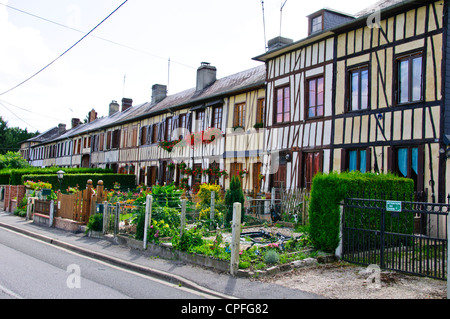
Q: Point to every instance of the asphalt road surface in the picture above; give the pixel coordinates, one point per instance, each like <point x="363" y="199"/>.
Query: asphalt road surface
<point x="31" y="269"/>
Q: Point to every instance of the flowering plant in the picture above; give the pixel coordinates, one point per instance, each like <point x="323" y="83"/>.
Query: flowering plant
<point x="168" y="145"/>
<point x="37" y="185"/>
<point x="203" y="137"/>
<point x="243" y="172"/>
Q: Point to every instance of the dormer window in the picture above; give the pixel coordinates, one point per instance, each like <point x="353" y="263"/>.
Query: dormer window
<point x="316" y="24"/>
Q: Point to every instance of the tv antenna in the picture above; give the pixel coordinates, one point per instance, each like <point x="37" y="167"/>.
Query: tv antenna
<point x="281" y="14"/>
<point x="264" y="25"/>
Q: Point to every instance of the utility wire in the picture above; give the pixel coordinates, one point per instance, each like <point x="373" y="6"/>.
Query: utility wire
<point x="94" y="36"/>
<point x="17" y="116"/>
<point x="65" y="52"/>
<point x="27" y="110"/>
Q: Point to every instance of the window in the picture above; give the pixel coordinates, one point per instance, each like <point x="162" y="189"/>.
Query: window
<point x="316" y="24"/>
<point x="315" y="97"/>
<point x="260" y="118"/>
<point x="239" y="115"/>
<point x="143" y="139"/>
<point x="359" y="89"/>
<point x="116" y="139"/>
<point x="357" y="161"/>
<point x="200" y="119"/>
<point x="217" y="117"/>
<point x="213" y="178"/>
<point x="408" y="161"/>
<point x="168" y="132"/>
<point x="235" y="168"/>
<point x="155" y="128"/>
<point x="283" y="107"/>
<point x="409" y="78"/>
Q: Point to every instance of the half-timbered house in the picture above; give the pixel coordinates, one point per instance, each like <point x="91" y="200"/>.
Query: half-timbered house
<point x="300" y="86"/>
<point x="389" y="93"/>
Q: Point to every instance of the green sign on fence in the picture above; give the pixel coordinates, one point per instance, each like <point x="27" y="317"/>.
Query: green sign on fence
<point x="393" y="206"/>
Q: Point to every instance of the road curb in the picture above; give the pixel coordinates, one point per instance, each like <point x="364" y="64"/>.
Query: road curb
<point x="174" y="279"/>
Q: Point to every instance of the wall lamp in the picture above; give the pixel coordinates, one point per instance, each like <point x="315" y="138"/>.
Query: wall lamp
<point x="446" y="152"/>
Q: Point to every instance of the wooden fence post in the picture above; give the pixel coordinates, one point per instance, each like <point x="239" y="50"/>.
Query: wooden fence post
<point x="148" y="217"/>
<point x="183" y="216"/>
<point x="235" y="239"/>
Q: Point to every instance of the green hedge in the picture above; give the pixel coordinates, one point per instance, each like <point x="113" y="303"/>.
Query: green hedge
<point x="15" y="175"/>
<point x="72" y="180"/>
<point x="328" y="190"/>
<point x="4" y="179"/>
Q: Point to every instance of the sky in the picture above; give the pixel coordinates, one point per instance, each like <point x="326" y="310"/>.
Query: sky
<point x="130" y="51"/>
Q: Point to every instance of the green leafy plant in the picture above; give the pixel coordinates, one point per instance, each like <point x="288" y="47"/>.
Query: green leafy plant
<point x="95" y="223"/>
<point x="271" y="257"/>
<point x="234" y="195"/>
<point x="189" y="239"/>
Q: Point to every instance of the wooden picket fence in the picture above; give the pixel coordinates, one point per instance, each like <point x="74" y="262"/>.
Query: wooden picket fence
<point x="81" y="205"/>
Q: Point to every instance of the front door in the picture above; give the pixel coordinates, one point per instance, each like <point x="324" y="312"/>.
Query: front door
<point x="312" y="164"/>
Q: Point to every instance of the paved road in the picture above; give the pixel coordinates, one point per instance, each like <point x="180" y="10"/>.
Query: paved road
<point x="32" y="269"/>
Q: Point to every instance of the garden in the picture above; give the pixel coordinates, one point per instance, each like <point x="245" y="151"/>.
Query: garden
<point x="207" y="225"/>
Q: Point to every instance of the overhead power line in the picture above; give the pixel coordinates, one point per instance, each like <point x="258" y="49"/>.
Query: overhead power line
<point x="94" y="36"/>
<point x="65" y="52"/>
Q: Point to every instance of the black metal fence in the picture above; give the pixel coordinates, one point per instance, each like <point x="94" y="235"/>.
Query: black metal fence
<point x="409" y="237"/>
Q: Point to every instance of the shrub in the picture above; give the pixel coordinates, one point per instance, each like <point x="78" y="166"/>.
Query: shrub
<point x="95" y="223"/>
<point x="328" y="190"/>
<point x="190" y="238"/>
<point x="271" y="257"/>
<point x="234" y="195"/>
<point x="72" y="180"/>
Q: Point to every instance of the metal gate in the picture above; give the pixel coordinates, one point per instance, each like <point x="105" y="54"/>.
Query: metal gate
<point x="409" y="237"/>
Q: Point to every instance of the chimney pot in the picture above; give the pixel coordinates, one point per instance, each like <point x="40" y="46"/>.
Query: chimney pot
<point x="206" y="75"/>
<point x="113" y="107"/>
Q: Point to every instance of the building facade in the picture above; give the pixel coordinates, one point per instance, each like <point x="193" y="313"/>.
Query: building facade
<point x="366" y="92"/>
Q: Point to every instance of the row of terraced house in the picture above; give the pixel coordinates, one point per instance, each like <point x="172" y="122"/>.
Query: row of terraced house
<point x="365" y="92"/>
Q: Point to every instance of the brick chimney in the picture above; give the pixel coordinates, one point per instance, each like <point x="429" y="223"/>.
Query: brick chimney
<point x="159" y="93"/>
<point x="206" y="75"/>
<point x="92" y="116"/>
<point x="113" y="107"/>
<point x="75" y="122"/>
<point x="126" y="104"/>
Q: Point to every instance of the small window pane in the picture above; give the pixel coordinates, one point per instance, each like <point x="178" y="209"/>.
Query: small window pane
<point x="417" y="79"/>
<point x="353" y="161"/>
<point x="403" y="81"/>
<point x="364" y="89"/>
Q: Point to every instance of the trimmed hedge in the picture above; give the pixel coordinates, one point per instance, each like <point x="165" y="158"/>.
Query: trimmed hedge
<point x="72" y="180"/>
<point x="328" y="190"/>
<point x="15" y="175"/>
<point x="4" y="179"/>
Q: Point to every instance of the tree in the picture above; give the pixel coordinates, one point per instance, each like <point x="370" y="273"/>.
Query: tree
<point x="12" y="160"/>
<point x="234" y="195"/>
<point x="10" y="138"/>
